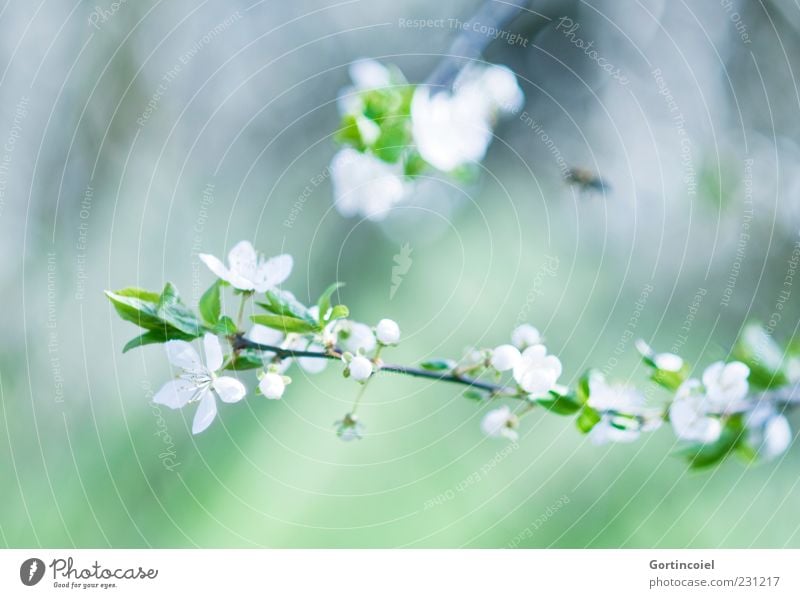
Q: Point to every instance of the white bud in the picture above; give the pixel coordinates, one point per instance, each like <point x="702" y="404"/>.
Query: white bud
<point x="669" y="362"/>
<point x="525" y="335"/>
<point x="505" y="357"/>
<point x="360" y="368"/>
<point x="388" y="332"/>
<point x="272" y="385"/>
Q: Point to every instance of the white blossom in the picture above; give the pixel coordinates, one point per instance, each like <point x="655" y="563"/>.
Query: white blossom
<point x="613" y="429"/>
<point x="351" y="336"/>
<point x="272" y="385"/>
<point x="360" y="368"/>
<point x="388" y="332"/>
<point x="669" y="362"/>
<point x="366" y="75"/>
<point x="689" y="414"/>
<point x="536" y="372"/>
<point x="524" y="336"/>
<point x="726" y="385"/>
<point x="366" y="185"/>
<point x="198" y="382"/>
<point x="768" y="431"/>
<point x="505" y="357"/>
<point x="248" y="270"/>
<point x="452" y="129"/>
<point x="622" y="400"/>
<point x="500" y="422"/>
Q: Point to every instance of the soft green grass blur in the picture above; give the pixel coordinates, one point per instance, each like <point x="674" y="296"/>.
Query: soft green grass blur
<point x="88" y="468"/>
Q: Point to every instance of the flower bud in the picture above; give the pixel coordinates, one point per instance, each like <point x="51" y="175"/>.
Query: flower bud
<point x="272" y="385"/>
<point x="360" y="368"/>
<point x="388" y="332"/>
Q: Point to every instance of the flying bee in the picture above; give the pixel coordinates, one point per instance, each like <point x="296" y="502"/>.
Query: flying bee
<point x="586" y="180"/>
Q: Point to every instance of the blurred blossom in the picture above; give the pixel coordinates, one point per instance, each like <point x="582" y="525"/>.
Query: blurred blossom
<point x="768" y="431"/>
<point x="689" y="414"/>
<point x="365" y="185"/>
<point x="500" y="423"/>
<point x="726" y="385"/>
<point x="454" y="129"/>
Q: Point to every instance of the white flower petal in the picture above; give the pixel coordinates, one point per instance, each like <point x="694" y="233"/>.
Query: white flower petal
<point x="369" y="74"/>
<point x="243" y="259"/>
<point x="216" y="266"/>
<point x="229" y="389"/>
<point x="777" y="436"/>
<point x="213" y="352"/>
<point x="176" y="393"/>
<point x="184" y="356"/>
<point x="205" y="414"/>
<point x="263" y="335"/>
<point x="273" y="272"/>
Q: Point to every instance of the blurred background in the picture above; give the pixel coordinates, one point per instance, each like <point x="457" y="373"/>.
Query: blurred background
<point x="136" y="135"/>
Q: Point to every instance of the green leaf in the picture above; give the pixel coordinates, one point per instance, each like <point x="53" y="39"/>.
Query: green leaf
<point x="438" y="365"/>
<point x="414" y="165"/>
<point x="584" y="386"/>
<point x="587" y="419"/>
<point x="246" y="359"/>
<point x="137" y="306"/>
<point x="393" y="139"/>
<point x="561" y="404"/>
<point x="759" y="351"/>
<point x="349" y="133"/>
<point x="670" y="380"/>
<point x="210" y="306"/>
<point x="154" y="336"/>
<point x="284" y="303"/>
<point x="474" y="395"/>
<point x="225" y="326"/>
<point x="701" y="455"/>
<point x="338" y="312"/>
<point x="324" y="301"/>
<point x="172" y="311"/>
<point x="285" y="324"/>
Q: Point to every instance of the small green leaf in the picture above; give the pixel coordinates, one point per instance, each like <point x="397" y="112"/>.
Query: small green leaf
<point x="246" y="359"/>
<point x="474" y="395"/>
<point x="156" y="336"/>
<point x="338" y="312"/>
<point x="324" y="301"/>
<point x="670" y="380"/>
<point x="759" y="351"/>
<point x="587" y="419"/>
<point x="584" y="386"/>
<point x="701" y="456"/>
<point x="561" y="404"/>
<point x="438" y="365"/>
<point x="172" y="311"/>
<point x="349" y="133"/>
<point x="284" y="303"/>
<point x="393" y="139"/>
<point x="225" y="326"/>
<point x="285" y="324"/>
<point x="210" y="306"/>
<point x="137" y="306"/>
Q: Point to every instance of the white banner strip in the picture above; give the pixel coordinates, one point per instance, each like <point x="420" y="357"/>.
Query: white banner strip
<point x="400" y="573"/>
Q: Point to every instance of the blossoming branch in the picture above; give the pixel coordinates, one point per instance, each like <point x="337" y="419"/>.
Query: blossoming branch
<point x="732" y="408"/>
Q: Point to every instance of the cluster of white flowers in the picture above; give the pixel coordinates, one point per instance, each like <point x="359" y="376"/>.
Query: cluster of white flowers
<point x="698" y="406"/>
<point x="454" y="129"/>
<point x="535" y="372"/>
<point x="249" y="272"/>
<point x="446" y="129"/>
